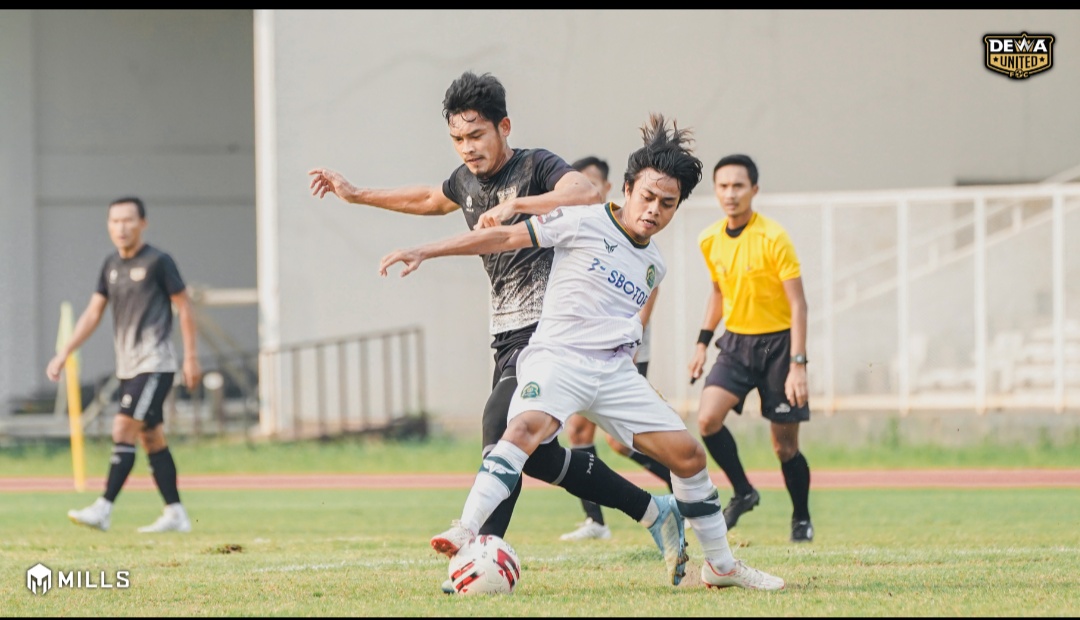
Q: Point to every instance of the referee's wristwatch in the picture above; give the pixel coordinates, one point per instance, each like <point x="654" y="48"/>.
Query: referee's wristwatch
<point x="799" y="358"/>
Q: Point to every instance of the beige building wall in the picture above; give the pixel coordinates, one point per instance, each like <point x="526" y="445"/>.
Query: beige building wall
<point x="162" y="103"/>
<point x="823" y="100"/>
<point x="98" y="104"/>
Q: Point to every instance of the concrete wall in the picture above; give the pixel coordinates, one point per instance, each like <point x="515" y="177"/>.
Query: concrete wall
<point x="824" y="101"/>
<point x="99" y="104"/>
<point x="161" y="103"/>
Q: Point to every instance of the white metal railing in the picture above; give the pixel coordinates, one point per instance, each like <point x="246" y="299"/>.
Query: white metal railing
<point x="951" y="298"/>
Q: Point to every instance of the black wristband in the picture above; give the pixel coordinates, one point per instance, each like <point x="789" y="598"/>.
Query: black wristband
<point x="705" y="337"/>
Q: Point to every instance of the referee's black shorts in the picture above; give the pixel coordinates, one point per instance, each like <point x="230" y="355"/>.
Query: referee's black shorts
<point x="760" y="361"/>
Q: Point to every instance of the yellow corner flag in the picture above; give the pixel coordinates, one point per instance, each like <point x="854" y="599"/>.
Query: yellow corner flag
<point x="74" y="396"/>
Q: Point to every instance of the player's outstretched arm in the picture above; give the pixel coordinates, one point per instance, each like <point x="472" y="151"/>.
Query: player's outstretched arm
<point x="574" y="188"/>
<point x="87" y="323"/>
<point x="414" y="200"/>
<point x="472" y="243"/>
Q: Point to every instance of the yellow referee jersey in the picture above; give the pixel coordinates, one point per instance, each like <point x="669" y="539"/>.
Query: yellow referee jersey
<point x="750" y="270"/>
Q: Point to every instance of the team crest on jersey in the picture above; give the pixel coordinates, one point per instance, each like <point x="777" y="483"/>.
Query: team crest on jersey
<point x="112" y="276"/>
<point x="531" y="390"/>
<point x="507" y="193"/>
<point x="137" y="274"/>
<point x="650" y="276"/>
<point x="468" y="204"/>
<point x="610" y="246"/>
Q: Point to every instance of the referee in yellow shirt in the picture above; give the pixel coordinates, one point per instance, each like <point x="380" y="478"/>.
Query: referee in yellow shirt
<point x="757" y="290"/>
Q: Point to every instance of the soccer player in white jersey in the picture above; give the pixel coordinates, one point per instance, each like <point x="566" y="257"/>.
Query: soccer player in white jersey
<point x="580" y="359"/>
<point x="580" y="432"/>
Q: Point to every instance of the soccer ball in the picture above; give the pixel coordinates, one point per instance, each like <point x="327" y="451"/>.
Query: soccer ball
<point x="485" y="565"/>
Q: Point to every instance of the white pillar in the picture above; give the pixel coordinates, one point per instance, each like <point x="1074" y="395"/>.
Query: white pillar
<point x="828" y="277"/>
<point x="902" y="311"/>
<point x="266" y="222"/>
<point x="1058" y="262"/>
<point x="981" y="313"/>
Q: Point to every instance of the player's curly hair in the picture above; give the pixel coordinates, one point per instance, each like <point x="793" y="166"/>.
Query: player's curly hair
<point x="667" y="151"/>
<point x="480" y="93"/>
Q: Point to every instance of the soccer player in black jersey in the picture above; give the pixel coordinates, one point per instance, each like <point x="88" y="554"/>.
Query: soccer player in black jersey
<point x="499" y="184"/>
<point x="143" y="284"/>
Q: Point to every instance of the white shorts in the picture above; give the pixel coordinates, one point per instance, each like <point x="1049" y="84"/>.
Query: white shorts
<point x="604" y="387"/>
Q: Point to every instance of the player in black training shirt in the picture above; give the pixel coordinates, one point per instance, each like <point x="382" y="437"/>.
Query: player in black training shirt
<point x="498" y="184"/>
<point x="143" y="283"/>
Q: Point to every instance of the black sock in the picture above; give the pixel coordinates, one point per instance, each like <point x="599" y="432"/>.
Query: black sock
<point x="592" y="509"/>
<point x="587" y="477"/>
<point x="797" y="478"/>
<point x="120" y="464"/>
<point x="722" y="448"/>
<point x="164" y="469"/>
<point x="499" y="521"/>
<point x="654" y="467"/>
<point x="590" y="478"/>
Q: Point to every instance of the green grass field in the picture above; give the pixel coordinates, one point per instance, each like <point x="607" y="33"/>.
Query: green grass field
<point x="449" y="454"/>
<point x="365" y="553"/>
<point x="1010" y="552"/>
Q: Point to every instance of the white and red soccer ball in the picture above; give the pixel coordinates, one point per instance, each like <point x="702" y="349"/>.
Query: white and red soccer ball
<point x="485" y="565"/>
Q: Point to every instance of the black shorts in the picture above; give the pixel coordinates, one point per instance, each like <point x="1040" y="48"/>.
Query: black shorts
<point x="507" y="346"/>
<point x="760" y="361"/>
<point x="142" y="397"/>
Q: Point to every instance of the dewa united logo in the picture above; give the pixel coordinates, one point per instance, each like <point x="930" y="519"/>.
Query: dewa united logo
<point x="1019" y="56"/>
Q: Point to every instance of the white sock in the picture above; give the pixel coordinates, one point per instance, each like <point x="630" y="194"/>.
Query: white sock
<point x="651" y="514"/>
<point x="498" y="476"/>
<point x="711" y="530"/>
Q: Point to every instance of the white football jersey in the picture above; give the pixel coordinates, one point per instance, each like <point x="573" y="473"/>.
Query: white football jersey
<point x="600" y="278"/>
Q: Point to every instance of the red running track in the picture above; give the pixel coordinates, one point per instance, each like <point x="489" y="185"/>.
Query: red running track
<point x="882" y="479"/>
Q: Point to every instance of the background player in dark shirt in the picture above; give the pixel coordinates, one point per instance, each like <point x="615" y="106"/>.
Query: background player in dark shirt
<point x="498" y="184"/>
<point x="143" y="284"/>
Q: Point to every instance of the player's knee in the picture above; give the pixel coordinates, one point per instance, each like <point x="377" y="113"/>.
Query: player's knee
<point x="154" y="447"/>
<point x="785" y="452"/>
<point x="153" y="440"/>
<point x="530" y="428"/>
<point x="785" y="441"/>
<point x="688" y="460"/>
<point x="125" y="429"/>
<point x="709" y="424"/>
